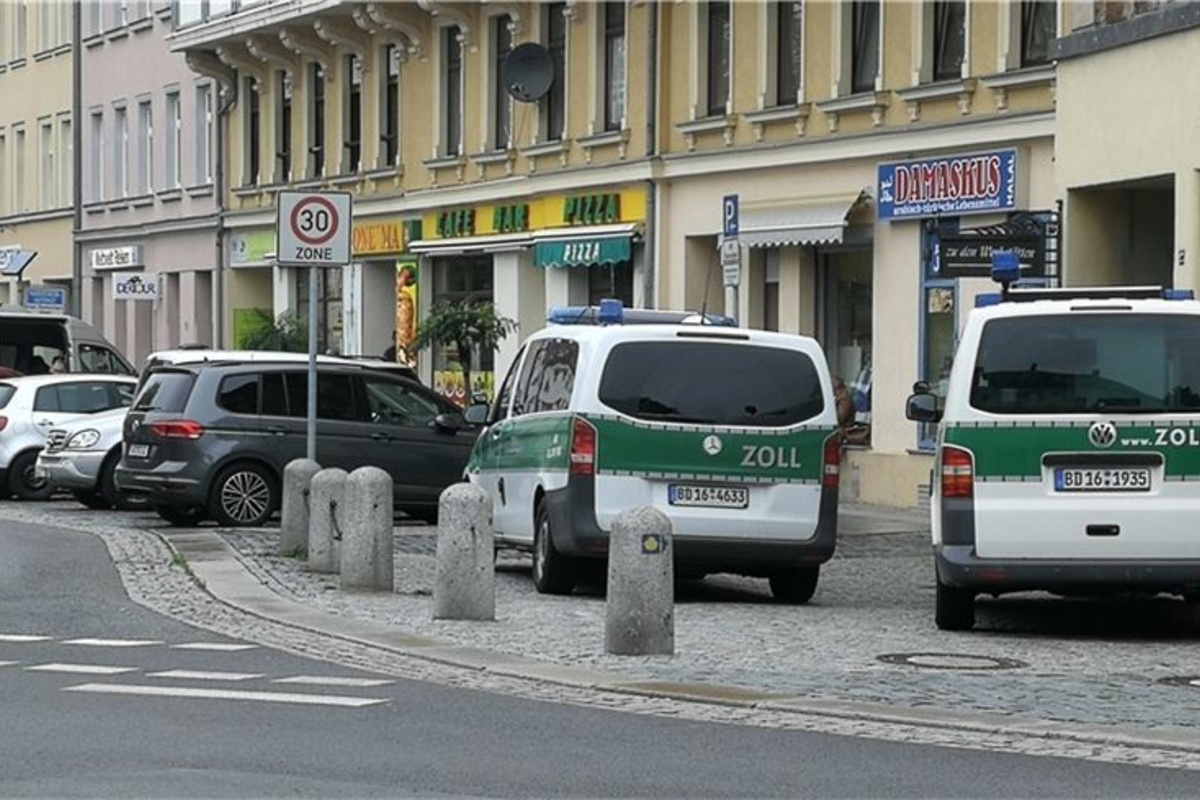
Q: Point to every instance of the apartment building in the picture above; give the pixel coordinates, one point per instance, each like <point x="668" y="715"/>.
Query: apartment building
<point x="36" y="189"/>
<point x="149" y="234"/>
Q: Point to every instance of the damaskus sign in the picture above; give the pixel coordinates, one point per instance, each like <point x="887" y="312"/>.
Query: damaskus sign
<point x="135" y="286"/>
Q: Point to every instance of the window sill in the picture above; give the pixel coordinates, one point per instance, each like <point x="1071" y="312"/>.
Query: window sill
<point x="492" y="157"/>
<point x="962" y="89"/>
<point x="618" y="139"/>
<point x="384" y="173"/>
<point x="43" y="55"/>
<point x="93" y="40"/>
<point x="163" y="12"/>
<point x="309" y="183"/>
<point x="17" y="63"/>
<point x="116" y="33"/>
<point x="143" y="24"/>
<point x="244" y="191"/>
<point x="797" y="115"/>
<point x="95" y="207"/>
<point x="1024" y="78"/>
<point x="141" y="201"/>
<point x="200" y="190"/>
<point x="170" y="195"/>
<point x="725" y="122"/>
<point x="442" y="163"/>
<point x="346" y="179"/>
<point x="874" y="102"/>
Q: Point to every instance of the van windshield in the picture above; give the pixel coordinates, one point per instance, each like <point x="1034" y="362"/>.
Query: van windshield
<point x="1070" y="363"/>
<point x="164" y="391"/>
<point x="712" y="383"/>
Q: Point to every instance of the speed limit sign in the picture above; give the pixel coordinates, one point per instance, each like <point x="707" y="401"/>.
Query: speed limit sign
<point x="313" y="229"/>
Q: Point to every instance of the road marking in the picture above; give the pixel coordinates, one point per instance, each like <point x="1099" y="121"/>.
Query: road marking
<point x="197" y="675"/>
<point x="228" y="694"/>
<point x="113" y="642"/>
<point x="214" y="646"/>
<point x="19" y="638"/>
<point x="7" y="663"/>
<point x="320" y="680"/>
<point x="81" y="669"/>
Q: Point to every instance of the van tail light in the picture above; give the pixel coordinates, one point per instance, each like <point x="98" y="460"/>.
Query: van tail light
<point x="583" y="447"/>
<point x="177" y="429"/>
<point x="3" y="423"/>
<point x="958" y="473"/>
<point x="831" y="459"/>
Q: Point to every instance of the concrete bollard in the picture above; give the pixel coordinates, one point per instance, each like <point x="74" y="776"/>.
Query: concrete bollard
<point x="367" y="531"/>
<point x="640" y="611"/>
<point x="465" y="583"/>
<point x="326" y="498"/>
<point x="293" y="524"/>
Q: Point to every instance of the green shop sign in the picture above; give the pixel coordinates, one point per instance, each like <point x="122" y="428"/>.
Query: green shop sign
<point x="592" y="209"/>
<point x="588" y="252"/>
<point x="460" y="222"/>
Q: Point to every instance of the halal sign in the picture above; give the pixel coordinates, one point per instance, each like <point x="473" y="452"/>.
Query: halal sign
<point x="313" y="229"/>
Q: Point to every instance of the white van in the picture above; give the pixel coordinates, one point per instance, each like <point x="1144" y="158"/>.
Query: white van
<point x="730" y="432"/>
<point x="1068" y="448"/>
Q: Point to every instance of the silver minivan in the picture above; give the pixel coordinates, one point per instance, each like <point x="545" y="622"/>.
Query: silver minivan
<point x="34" y="343"/>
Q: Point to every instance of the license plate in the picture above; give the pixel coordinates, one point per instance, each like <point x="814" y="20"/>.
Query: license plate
<point x="684" y="494"/>
<point x="138" y="450"/>
<point x="1102" y="480"/>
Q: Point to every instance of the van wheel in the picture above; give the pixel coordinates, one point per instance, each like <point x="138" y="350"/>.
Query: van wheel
<point x="181" y="516"/>
<point x="243" y="496"/>
<point x="106" y="485"/>
<point x="955" y="608"/>
<point x="23" y="479"/>
<point x="795" y="586"/>
<point x="93" y="500"/>
<point x="553" y="573"/>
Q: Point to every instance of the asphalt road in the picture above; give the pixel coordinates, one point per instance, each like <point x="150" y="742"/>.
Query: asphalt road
<point x="103" y="698"/>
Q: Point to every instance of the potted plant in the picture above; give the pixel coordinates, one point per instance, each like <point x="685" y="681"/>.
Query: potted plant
<point x="465" y="326"/>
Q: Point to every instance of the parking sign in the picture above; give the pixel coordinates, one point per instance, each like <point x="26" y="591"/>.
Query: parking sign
<point x="729" y="216"/>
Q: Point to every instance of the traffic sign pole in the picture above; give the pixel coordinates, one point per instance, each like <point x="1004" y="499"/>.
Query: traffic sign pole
<point x="731" y="249"/>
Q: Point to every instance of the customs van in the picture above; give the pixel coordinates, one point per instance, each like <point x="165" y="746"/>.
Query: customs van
<point x="730" y="432"/>
<point x="1068" y="448"/>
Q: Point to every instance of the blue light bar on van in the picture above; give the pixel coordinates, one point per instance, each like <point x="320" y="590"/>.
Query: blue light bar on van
<point x="611" y="312"/>
<point x="988" y="299"/>
<point x="593" y="315"/>
<point x="1179" y="294"/>
<point x="1006" y="266"/>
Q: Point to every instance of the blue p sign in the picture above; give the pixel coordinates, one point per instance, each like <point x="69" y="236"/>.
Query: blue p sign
<point x="729" y="216"/>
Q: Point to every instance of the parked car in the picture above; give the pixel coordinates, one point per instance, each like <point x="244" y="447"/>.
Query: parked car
<point x="211" y="439"/>
<point x="33" y="405"/>
<point x="81" y="457"/>
<point x="206" y="355"/>
<point x="31" y="341"/>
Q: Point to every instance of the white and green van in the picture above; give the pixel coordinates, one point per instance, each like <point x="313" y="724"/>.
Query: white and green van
<point x="730" y="432"/>
<point x="1068" y="448"/>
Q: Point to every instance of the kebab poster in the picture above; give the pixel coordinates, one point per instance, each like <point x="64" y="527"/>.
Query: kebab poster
<point x="406" y="310"/>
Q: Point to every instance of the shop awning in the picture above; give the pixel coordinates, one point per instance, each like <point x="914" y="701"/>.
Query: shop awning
<point x="471" y="244"/>
<point x="593" y="246"/>
<point x="811" y="222"/>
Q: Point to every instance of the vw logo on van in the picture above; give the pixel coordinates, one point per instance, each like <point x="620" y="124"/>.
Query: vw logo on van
<point x="713" y="445"/>
<point x="1102" y="434"/>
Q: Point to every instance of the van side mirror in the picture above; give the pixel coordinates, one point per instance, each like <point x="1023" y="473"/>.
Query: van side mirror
<point x="477" y="413"/>
<point x="923" y="407"/>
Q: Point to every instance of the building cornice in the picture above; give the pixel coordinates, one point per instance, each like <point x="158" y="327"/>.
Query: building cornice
<point x="191" y="224"/>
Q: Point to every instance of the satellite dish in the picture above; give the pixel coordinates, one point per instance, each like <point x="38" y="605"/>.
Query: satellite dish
<point x="528" y="72"/>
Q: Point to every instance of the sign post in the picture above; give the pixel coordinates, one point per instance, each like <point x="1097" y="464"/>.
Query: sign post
<point x="731" y="248"/>
<point x="313" y="230"/>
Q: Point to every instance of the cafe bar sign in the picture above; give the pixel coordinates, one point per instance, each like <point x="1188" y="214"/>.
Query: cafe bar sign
<point x="981" y="183"/>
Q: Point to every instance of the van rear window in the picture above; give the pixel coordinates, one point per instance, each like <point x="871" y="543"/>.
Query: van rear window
<point x="165" y="390"/>
<point x="712" y="383"/>
<point x="1070" y="363"/>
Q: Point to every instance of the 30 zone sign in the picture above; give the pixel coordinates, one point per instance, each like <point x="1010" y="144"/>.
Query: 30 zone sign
<point x="313" y="228"/>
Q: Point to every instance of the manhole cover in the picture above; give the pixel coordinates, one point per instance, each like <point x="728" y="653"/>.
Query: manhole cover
<point x="1190" y="681"/>
<point x="951" y="661"/>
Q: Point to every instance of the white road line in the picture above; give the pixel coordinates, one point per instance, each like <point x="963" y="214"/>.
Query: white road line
<point x="8" y="663"/>
<point x="20" y="638"/>
<point x="228" y="694"/>
<point x="81" y="669"/>
<point x="197" y="675"/>
<point x="319" y="680"/>
<point x="216" y="647"/>
<point x="113" y="642"/>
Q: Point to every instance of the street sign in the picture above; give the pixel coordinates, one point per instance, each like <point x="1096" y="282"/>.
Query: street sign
<point x="731" y="261"/>
<point x="49" y="298"/>
<point x="729" y="216"/>
<point x="313" y="229"/>
<point x="14" y="260"/>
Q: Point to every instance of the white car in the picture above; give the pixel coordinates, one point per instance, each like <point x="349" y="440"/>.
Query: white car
<point x="32" y="405"/>
<point x="81" y="457"/>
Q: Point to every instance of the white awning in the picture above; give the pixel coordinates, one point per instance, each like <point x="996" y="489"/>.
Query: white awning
<point x="451" y="245"/>
<point x="807" y="223"/>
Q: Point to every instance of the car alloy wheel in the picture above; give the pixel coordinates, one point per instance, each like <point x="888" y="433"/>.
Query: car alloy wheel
<point x="244" y="496"/>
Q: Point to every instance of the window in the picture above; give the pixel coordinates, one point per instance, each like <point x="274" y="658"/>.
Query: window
<point x="239" y="394"/>
<point x="329" y="308"/>
<point x="469" y="279"/>
<point x="283" y="129"/>
<point x="718" y="57"/>
<point x="20" y="202"/>
<point x="501" y="103"/>
<point x="789" y="33"/>
<point x="553" y="106"/>
<point x="92" y="17"/>
<point x="611" y="280"/>
<point x="547" y="377"/>
<point x="96" y="157"/>
<point x="949" y="39"/>
<point x="173" y="143"/>
<point x="145" y="148"/>
<point x="114" y="15"/>
<point x="389" y="120"/>
<point x="274" y="395"/>
<point x="1038" y="29"/>
<point x="120" y="151"/>
<point x="166" y="391"/>
<point x="864" y="18"/>
<point x="335" y="395"/>
<point x="20" y="28"/>
<point x="218" y="8"/>
<point x="316" y="121"/>
<point x="352" y="114"/>
<point x="614" y="65"/>
<point x="4" y="201"/>
<point x="452" y="91"/>
<point x="500" y="409"/>
<point x="48" y="184"/>
<point x="394" y="403"/>
<point x="47" y="23"/>
<point x="66" y="149"/>
<point x="137" y="9"/>
<point x="203" y="133"/>
<point x="253" y="141"/>
<point x="188" y="12"/>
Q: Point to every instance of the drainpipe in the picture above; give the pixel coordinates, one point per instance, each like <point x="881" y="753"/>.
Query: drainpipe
<point x="227" y="99"/>
<point x="650" y="239"/>
<point x="77" y="158"/>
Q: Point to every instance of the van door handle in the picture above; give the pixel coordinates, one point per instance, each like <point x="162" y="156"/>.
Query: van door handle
<point x="278" y="430"/>
<point x="379" y="437"/>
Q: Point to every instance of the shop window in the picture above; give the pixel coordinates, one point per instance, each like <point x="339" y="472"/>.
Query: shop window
<point x="864" y="18"/>
<point x="329" y="306"/>
<point x="789" y="32"/>
<point x="949" y="39"/>
<point x="610" y="280"/>
<point x="848" y="330"/>
<point x="1038" y="29"/>
<point x="553" y="105"/>
<point x="455" y="280"/>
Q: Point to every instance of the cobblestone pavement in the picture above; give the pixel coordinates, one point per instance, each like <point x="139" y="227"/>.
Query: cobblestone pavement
<point x="1113" y="681"/>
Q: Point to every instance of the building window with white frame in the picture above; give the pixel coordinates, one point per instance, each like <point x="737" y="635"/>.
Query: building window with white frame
<point x="252" y="146"/>
<point x="203" y="133"/>
<point x="316" y="121"/>
<point x="20" y="201"/>
<point x="789" y="39"/>
<point x="47" y="184"/>
<point x="20" y="28"/>
<point x="553" y="113"/>
<point x="719" y="59"/>
<point x="137" y="10"/>
<point x="501" y="102"/>
<point x="120" y="142"/>
<point x="452" y="69"/>
<point x="188" y="12"/>
<point x="145" y="148"/>
<point x="614" y="65"/>
<point x="283" y="127"/>
<point x="92" y="22"/>
<point x="352" y="116"/>
<point x="96" y="157"/>
<point x="66" y="168"/>
<point x="864" y="52"/>
<point x="949" y="39"/>
<point x="173" y="141"/>
<point x="389" y="108"/>
<point x="114" y="15"/>
<point x="47" y="23"/>
<point x="1039" y="28"/>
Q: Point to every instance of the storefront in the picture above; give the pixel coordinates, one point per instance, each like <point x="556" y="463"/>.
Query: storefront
<point x="255" y="295"/>
<point x="379" y="292"/>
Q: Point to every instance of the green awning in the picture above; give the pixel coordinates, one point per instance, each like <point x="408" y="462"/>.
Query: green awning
<point x="594" y="251"/>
